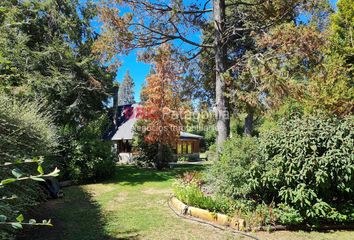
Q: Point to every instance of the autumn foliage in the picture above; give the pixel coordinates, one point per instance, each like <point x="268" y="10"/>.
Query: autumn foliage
<point x="162" y="107"/>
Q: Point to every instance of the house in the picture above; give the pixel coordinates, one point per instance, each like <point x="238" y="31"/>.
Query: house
<point x="122" y="135"/>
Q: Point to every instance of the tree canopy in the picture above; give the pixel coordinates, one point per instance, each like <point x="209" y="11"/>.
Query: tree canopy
<point x="45" y="53"/>
<point x="229" y="28"/>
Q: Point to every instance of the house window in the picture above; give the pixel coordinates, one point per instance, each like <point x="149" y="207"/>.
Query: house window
<point x="189" y="147"/>
<point x="179" y="148"/>
<point x="184" y="147"/>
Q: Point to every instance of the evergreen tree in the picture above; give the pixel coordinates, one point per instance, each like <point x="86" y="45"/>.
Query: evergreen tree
<point x="331" y="88"/>
<point x="45" y="53"/>
<point x="126" y="90"/>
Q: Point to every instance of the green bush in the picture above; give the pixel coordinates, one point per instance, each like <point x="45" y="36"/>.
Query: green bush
<point x="254" y="214"/>
<point x="307" y="163"/>
<point x="229" y="175"/>
<point x="304" y="167"/>
<point x="288" y="215"/>
<point x="26" y="131"/>
<point x="89" y="157"/>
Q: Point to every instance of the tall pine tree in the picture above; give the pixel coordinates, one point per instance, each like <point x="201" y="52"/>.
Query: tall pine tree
<point x="45" y="53"/>
<point x="126" y="90"/>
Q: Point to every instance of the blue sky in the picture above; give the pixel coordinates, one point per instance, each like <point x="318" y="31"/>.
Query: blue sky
<point x="139" y="70"/>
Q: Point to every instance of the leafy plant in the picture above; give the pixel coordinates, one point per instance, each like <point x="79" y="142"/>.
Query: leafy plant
<point x="13" y="219"/>
<point x="90" y="158"/>
<point x="307" y="163"/>
<point x="288" y="215"/>
<point x="26" y="130"/>
<point x="147" y="151"/>
<point x="190" y="194"/>
<point x="230" y="174"/>
<point x="302" y="169"/>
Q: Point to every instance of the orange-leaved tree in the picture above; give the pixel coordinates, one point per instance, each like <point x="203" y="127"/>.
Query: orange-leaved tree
<point x="163" y="106"/>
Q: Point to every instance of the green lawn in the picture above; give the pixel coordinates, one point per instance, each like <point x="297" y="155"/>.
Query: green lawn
<point x="133" y="205"/>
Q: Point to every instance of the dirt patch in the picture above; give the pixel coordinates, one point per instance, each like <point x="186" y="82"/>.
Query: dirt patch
<point x="156" y="191"/>
<point x="98" y="189"/>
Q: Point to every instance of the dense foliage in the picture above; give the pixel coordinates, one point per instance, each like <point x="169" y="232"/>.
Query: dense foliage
<point x="26" y="132"/>
<point x="229" y="174"/>
<point x="147" y="153"/>
<point x="187" y="189"/>
<point x="45" y="55"/>
<point x="308" y="164"/>
<point x="48" y="77"/>
<point x="304" y="167"/>
<point x="87" y="156"/>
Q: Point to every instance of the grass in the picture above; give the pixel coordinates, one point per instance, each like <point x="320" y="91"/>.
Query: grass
<point x="133" y="205"/>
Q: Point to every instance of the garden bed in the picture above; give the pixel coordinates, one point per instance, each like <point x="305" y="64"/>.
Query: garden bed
<point x="239" y="224"/>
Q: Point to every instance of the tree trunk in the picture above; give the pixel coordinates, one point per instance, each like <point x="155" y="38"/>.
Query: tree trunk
<point x="115" y="104"/>
<point x="160" y="160"/>
<point x="221" y="108"/>
<point x="248" y="128"/>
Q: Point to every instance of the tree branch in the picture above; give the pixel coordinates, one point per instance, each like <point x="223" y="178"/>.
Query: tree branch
<point x="174" y="37"/>
<point x="244" y="3"/>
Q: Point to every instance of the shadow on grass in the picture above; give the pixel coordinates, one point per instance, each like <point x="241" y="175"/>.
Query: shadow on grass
<point x="132" y="175"/>
<point x="78" y="217"/>
<point x="75" y="217"/>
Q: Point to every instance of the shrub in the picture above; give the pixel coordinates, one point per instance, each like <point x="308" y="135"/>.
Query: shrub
<point x="148" y="152"/>
<point x="287" y="215"/>
<point x="26" y="131"/>
<point x="230" y="174"/>
<point x="304" y="167"/>
<point x="89" y="157"/>
<point x="307" y="164"/>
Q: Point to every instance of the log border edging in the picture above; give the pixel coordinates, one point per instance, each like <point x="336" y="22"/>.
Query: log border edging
<point x="218" y="218"/>
<point x="239" y="224"/>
